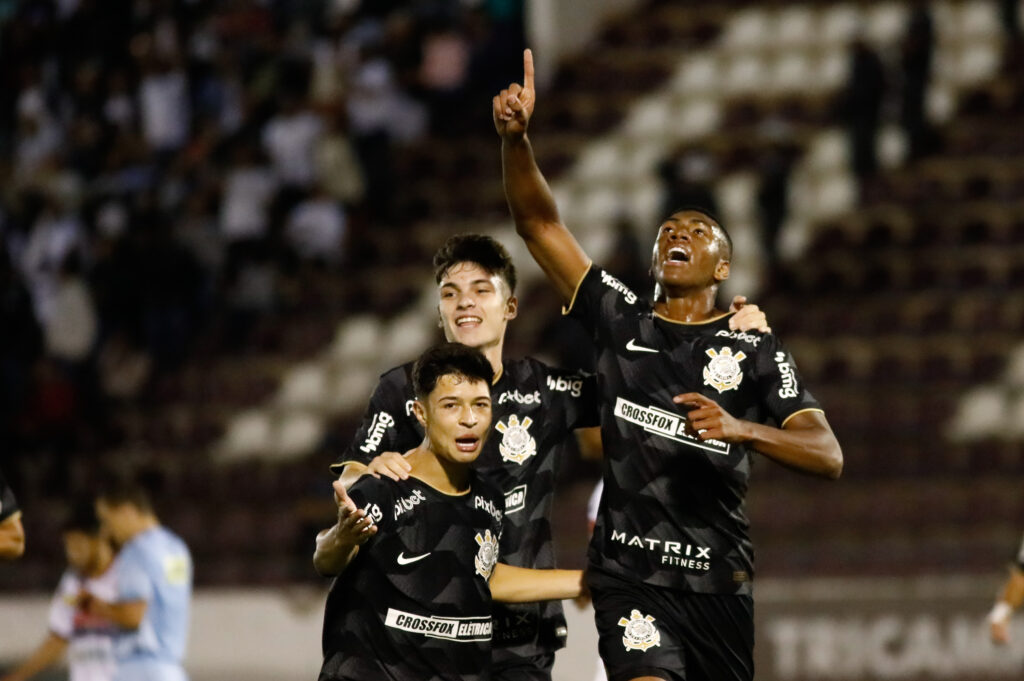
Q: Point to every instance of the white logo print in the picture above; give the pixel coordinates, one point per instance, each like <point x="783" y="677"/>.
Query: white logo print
<point x="517" y="444"/>
<point x="402" y="560"/>
<point x="640" y="633"/>
<point x="631" y="345"/>
<point x="723" y="371"/>
<point x="487" y="556"/>
<point x="788" y="388"/>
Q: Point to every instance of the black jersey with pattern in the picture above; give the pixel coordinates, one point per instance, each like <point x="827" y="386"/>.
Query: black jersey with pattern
<point x="534" y="409"/>
<point x="415" y="604"/>
<point x="672" y="513"/>
<point x="8" y="504"/>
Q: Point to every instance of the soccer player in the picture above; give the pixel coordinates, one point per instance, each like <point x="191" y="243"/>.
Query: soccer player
<point x="87" y="639"/>
<point x="417" y="558"/>
<point x="1010" y="598"/>
<point x="535" y="409"/>
<point x="12" y="534"/>
<point x="685" y="403"/>
<point x="153" y="574"/>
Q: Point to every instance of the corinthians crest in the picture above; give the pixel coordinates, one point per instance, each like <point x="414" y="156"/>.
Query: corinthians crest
<point x="487" y="556"/>
<point x="516" y="444"/>
<point x="723" y="371"/>
<point x="640" y="633"/>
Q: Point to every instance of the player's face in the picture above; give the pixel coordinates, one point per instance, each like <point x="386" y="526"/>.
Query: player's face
<point x="475" y="306"/>
<point x="116" y="520"/>
<point x="457" y="417"/>
<point x="81" y="550"/>
<point x="689" y="252"/>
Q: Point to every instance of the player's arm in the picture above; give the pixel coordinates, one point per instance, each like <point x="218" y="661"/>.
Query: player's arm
<point x="12" y="537"/>
<point x="529" y="197"/>
<point x="49" y="652"/>
<point x="125" y="614"/>
<point x="805" y="442"/>
<point x="338" y="545"/>
<point x="510" y="584"/>
<point x="1011" y="598"/>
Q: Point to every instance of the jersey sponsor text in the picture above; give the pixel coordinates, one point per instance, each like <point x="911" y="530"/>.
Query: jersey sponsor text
<point x="789" y="387"/>
<point x="665" y="424"/>
<point x="378" y="426"/>
<point x="460" y="629"/>
<point x="672" y="552"/>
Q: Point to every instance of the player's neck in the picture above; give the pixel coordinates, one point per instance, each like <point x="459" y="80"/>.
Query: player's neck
<point x="493" y="354"/>
<point x="143" y="523"/>
<point x="448" y="477"/>
<point x="104" y="557"/>
<point x="694" y="305"/>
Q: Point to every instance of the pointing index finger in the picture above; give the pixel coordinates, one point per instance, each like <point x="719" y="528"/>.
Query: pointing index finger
<point x="528" y="69"/>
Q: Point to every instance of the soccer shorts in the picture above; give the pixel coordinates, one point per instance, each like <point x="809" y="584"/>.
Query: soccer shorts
<point x="535" y="668"/>
<point x="646" y="630"/>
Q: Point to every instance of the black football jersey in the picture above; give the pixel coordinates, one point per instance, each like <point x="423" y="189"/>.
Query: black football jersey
<point x="8" y="504"/>
<point x="534" y="409"/>
<point x="415" y="604"/>
<point x="672" y="513"/>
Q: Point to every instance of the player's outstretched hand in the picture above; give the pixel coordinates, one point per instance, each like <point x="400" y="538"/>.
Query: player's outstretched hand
<point x="390" y="464"/>
<point x="354" y="526"/>
<point x="748" y="317"/>
<point x="710" y="421"/>
<point x="513" y="106"/>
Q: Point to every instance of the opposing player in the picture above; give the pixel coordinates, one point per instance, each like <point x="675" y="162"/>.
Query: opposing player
<point x="686" y="402"/>
<point x="535" y="409"/>
<point x="87" y="639"/>
<point x="1010" y="598"/>
<point x="418" y="556"/>
<point x="12" y="534"/>
<point x="153" y="573"/>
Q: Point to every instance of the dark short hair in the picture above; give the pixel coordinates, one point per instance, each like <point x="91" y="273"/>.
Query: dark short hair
<point x="714" y="220"/>
<point x="121" y="492"/>
<point x="82" y="518"/>
<point x="449" y="359"/>
<point x="478" y="249"/>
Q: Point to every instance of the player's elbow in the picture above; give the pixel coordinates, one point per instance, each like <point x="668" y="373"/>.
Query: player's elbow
<point x="832" y="460"/>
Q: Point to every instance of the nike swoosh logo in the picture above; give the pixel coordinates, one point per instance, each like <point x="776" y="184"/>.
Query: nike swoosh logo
<point x="402" y="560"/>
<point x="631" y="345"/>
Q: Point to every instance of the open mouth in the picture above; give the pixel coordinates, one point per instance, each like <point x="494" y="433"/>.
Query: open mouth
<point x="466" y="321"/>
<point x="677" y="254"/>
<point x="467" y="443"/>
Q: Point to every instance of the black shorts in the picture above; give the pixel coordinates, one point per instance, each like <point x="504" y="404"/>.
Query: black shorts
<point x="646" y="630"/>
<point x="535" y="668"/>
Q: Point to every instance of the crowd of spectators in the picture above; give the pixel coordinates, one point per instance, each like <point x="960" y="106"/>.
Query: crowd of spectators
<point x="167" y="163"/>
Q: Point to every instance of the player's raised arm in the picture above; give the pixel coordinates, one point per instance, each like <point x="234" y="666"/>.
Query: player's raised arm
<point x="529" y="197"/>
<point x="338" y="545"/>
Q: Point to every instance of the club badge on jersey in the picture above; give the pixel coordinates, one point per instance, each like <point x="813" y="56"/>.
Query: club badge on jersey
<point x="640" y="632"/>
<point x="487" y="555"/>
<point x="516" y="444"/>
<point x="723" y="372"/>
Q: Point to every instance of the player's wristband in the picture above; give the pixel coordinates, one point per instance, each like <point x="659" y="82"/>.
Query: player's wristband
<point x="1000" y="612"/>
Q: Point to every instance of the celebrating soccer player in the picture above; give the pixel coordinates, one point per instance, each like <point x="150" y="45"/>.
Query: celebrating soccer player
<point x="417" y="558"/>
<point x="12" y="534"/>
<point x="535" y="409"/>
<point x="685" y="403"/>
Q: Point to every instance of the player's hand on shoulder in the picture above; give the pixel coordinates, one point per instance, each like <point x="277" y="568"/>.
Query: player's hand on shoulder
<point x="513" y="106"/>
<point x="709" y="421"/>
<point x="748" y="317"/>
<point x="389" y="464"/>
<point x="354" y="526"/>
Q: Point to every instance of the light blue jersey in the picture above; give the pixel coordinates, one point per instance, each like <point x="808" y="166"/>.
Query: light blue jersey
<point x="155" y="566"/>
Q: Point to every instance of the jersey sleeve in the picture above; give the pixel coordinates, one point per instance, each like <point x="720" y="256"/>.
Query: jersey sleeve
<point x="8" y="504"/>
<point x="133" y="582"/>
<point x="573" y="395"/>
<point x="599" y="298"/>
<point x="387" y="424"/>
<point x="377" y="498"/>
<point x="783" y="392"/>
<point x="61" y="619"/>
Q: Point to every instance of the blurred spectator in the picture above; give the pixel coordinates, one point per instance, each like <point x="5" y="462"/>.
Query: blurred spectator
<point x="249" y="188"/>
<point x="164" y="105"/>
<point x="316" y="228"/>
<point x="337" y="167"/>
<point x="917" y="50"/>
<point x="861" y="108"/>
<point x="773" y="199"/>
<point x="688" y="182"/>
<point x="56" y="233"/>
<point x="289" y="139"/>
<point x="72" y="328"/>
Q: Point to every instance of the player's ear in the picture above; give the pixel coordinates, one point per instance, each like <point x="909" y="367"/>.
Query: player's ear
<point x="722" y="270"/>
<point x="420" y="412"/>
<point x="511" y="307"/>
